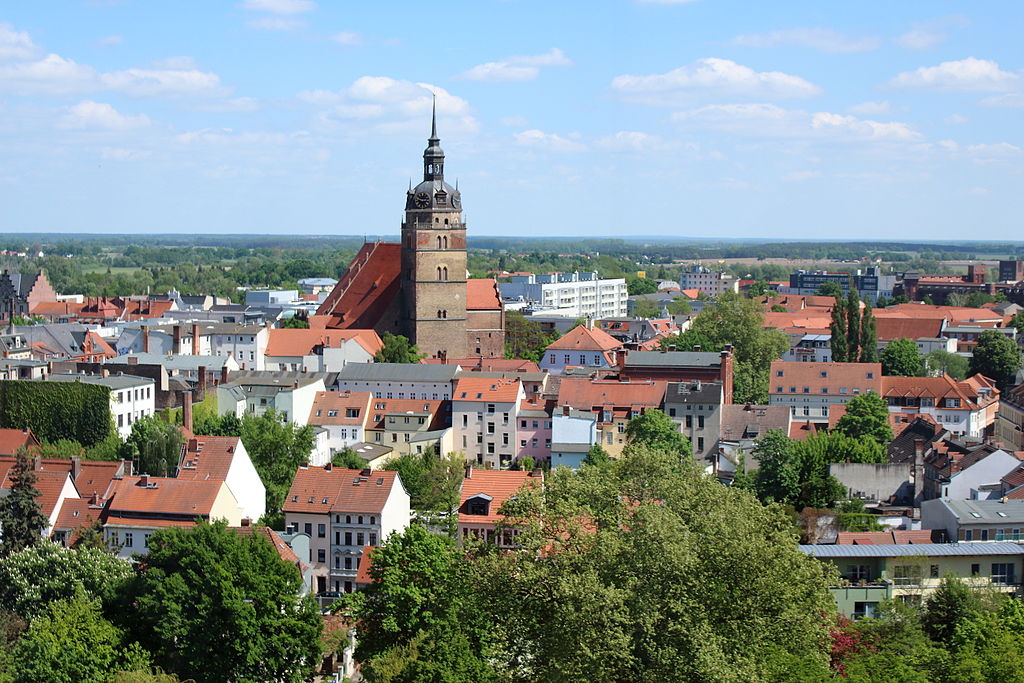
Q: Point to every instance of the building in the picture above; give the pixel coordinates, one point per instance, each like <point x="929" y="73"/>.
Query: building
<point x="975" y="520"/>
<point x="810" y="348"/>
<point x="224" y="458"/>
<point x="580" y="295"/>
<point x="709" y="282"/>
<point x="740" y="427"/>
<point x="288" y="393"/>
<point x="696" y="407"/>
<point x="613" y="403"/>
<point x="21" y="292"/>
<point x="55" y="482"/>
<point x="1009" y="424"/>
<point x="420" y="287"/>
<point x="399" y="380"/>
<point x="131" y="397"/>
<point x="582" y="346"/>
<point x="809" y="389"/>
<point x="484" y="419"/>
<point x="535" y="430"/>
<point x="873" y="573"/>
<point x="680" y="366"/>
<point x="343" y="511"/>
<point x="871" y="284"/>
<point x="315" y="285"/>
<point x="319" y="350"/>
<point x="966" y="407"/>
<point x="573" y="433"/>
<point x="343" y="415"/>
<point x="483" y="494"/>
<point x="410" y="425"/>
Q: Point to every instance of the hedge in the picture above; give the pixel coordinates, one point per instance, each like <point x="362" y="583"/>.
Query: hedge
<point x="57" y="410"/>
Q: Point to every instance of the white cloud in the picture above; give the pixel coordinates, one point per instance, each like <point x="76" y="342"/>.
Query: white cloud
<point x="51" y="75"/>
<point x="771" y="121"/>
<point x="711" y="76"/>
<point x="92" y="115"/>
<point x="1012" y="100"/>
<point x="347" y="38"/>
<point x="924" y="35"/>
<point x="981" y="153"/>
<point x="538" y="139"/>
<point x="965" y="75"/>
<point x="165" y="82"/>
<point x="871" y="108"/>
<point x="631" y="141"/>
<point x="279" y="6"/>
<point x="108" y="41"/>
<point x="956" y="119"/>
<point x="516" y="68"/>
<point x="275" y="24"/>
<point x="824" y="39"/>
<point x="16" y="44"/>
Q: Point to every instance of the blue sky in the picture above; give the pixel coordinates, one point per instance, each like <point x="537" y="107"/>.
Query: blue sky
<point x="702" y="118"/>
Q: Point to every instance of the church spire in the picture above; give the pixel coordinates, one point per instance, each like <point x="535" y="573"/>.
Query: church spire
<point x="433" y="155"/>
<point x="433" y="121"/>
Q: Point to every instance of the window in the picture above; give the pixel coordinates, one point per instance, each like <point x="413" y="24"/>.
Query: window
<point x="321" y="530"/>
<point x="504" y="439"/>
<point x="933" y="571"/>
<point x="566" y="359"/>
<point x="360" y="537"/>
<point x="373" y="539"/>
<point x="490" y="427"/>
<point x="128" y="539"/>
<point x="337" y="538"/>
<point x="348" y="563"/>
<point x="689" y="421"/>
<point x="975" y="569"/>
<point x="857" y="572"/>
<point x="864" y="610"/>
<point x="700" y="421"/>
<point x="522" y="443"/>
<point x="1002" y="573"/>
<point x="700" y="443"/>
<point x="308" y="528"/>
<point x="906" y="575"/>
<point x="321" y="555"/>
<point x="490" y="447"/>
<point x="348" y="538"/>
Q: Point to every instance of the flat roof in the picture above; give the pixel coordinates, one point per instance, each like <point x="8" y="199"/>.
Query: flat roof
<point x="398" y="372"/>
<point x="915" y="549"/>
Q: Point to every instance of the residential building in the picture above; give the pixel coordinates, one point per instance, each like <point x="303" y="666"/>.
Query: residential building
<point x="183" y="366"/>
<point x="613" y="403"/>
<point x="55" y="483"/>
<point x="709" y="282"/>
<point x="740" y="428"/>
<point x="21" y="292"/>
<point x="131" y="397"/>
<point x="483" y="494"/>
<point x="399" y="380"/>
<point x="270" y="297"/>
<point x="13" y="440"/>
<point x="966" y="407"/>
<point x="809" y="389"/>
<point x="245" y="343"/>
<point x="315" y="285"/>
<point x="319" y="350"/>
<point x="573" y="433"/>
<point x="912" y="572"/>
<point x="583" y="295"/>
<point x="975" y="520"/>
<point x="224" y="458"/>
<point x="1009" y="423"/>
<point x="976" y="475"/>
<point x="582" y="346"/>
<point x="534" y="430"/>
<point x="680" y="366"/>
<point x="343" y="511"/>
<point x="344" y="415"/>
<point x="696" y="407"/>
<point x="484" y="419"/>
<point x="810" y="348"/>
<point x="870" y="283"/>
<point x="410" y="425"/>
<point x="289" y="393"/>
<point x="634" y="332"/>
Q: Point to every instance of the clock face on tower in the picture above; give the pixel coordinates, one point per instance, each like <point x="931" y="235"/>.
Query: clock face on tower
<point x="422" y="200"/>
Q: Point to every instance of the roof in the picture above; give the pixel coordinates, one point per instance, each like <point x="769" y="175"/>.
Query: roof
<point x="824" y="378"/>
<point x="482" y="294"/>
<point x="333" y="408"/>
<point x="172" y="362"/>
<point x="438" y="409"/>
<point x="76" y="513"/>
<point x="118" y="381"/>
<point x="367" y="289"/>
<point x="13" y="439"/>
<point x="365" y="562"/>
<point x="499" y="485"/>
<point x="894" y="537"/>
<point x="972" y="391"/>
<point x="208" y="457"/>
<point x="397" y="372"/>
<point x="694" y="392"/>
<point x="487" y="389"/>
<point x="981" y="511"/>
<point x="481" y="364"/>
<point x="581" y="338"/>
<point x="908" y="328"/>
<point x="302" y="342"/>
<point x="586" y="394"/>
<point x="164" y="496"/>
<point x="915" y="549"/>
<point x="746" y="422"/>
<point x="343" y="490"/>
<point x="284" y="550"/>
<point x="49" y="483"/>
<point x="673" y="359"/>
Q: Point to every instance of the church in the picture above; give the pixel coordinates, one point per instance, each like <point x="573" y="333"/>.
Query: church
<point x="420" y="287"/>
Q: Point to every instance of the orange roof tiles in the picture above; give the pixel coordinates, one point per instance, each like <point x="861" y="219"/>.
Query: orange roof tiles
<point x="486" y="389"/>
<point x="583" y="393"/>
<point x="49" y="483"/>
<point x="581" y="338"/>
<point x="500" y="485"/>
<point x="208" y="457"/>
<point x="908" y="328"/>
<point x="341" y="404"/>
<point x="165" y="495"/>
<point x="840" y="379"/>
<point x="955" y="314"/>
<point x="13" y="439"/>
<point x="343" y="490"/>
<point x="284" y="551"/>
<point x="482" y="295"/>
<point x="439" y="410"/>
<point x="77" y="513"/>
<point x="55" y="308"/>
<point x="807" y="322"/>
<point x="365" y="562"/>
<point x="971" y="392"/>
<point x="298" y="342"/>
<point x="367" y="289"/>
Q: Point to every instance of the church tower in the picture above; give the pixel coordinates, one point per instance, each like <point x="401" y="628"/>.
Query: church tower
<point x="434" y="259"/>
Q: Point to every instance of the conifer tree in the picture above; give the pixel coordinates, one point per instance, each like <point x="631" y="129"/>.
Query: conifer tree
<point x="853" y="326"/>
<point x="868" y="336"/>
<point x="838" y="328"/>
<point x="21" y="520"/>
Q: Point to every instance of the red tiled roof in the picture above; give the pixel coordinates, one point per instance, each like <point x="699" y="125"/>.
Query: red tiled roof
<point x="284" y="551"/>
<point x="803" y="430"/>
<point x="583" y="393"/>
<point x="889" y="329"/>
<point x="500" y="485"/>
<point x="55" y="308"/>
<point x="208" y="457"/>
<point x="439" y="410"/>
<point x="955" y="314"/>
<point x="76" y="513"/>
<point x="298" y="342"/>
<point x="807" y="322"/>
<point x="145" y="308"/>
<point x="486" y="389"/>
<point x="166" y="495"/>
<point x="49" y="483"/>
<point x="339" y="402"/>
<point x="581" y="338"/>
<point x="838" y="376"/>
<point x="344" y="490"/>
<point x="365" y="562"/>
<point x="1014" y="478"/>
<point x="893" y="537"/>
<point x="367" y="289"/>
<point x="942" y="387"/>
<point x="482" y="295"/>
<point x="13" y="439"/>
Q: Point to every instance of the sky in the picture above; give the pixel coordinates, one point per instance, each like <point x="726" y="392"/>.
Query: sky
<point x="606" y="118"/>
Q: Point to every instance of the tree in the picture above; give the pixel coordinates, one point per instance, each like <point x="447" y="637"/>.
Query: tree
<point x="397" y="349"/>
<point x="215" y="605"/>
<point x="900" y="358"/>
<point x="951" y="603"/>
<point x="71" y="642"/>
<point x="997" y="357"/>
<point x="524" y="338"/>
<point x="641" y="285"/>
<point x="1017" y="321"/>
<point x="645" y="308"/>
<point x="830" y="289"/>
<point x="276" y="449"/>
<point x="294" y="323"/>
<point x="868" y="336"/>
<point x="653" y="428"/>
<point x="777" y="477"/>
<point x="34" y="577"/>
<point x="432" y="481"/>
<point x="797" y="472"/>
<point x="346" y="457"/>
<point x="597" y="456"/>
<point x="853" y="339"/>
<point x="21" y="519"/>
<point x="419" y="619"/>
<point x="778" y="308"/>
<point x="939" y="362"/>
<point x="867" y="417"/>
<point x="154" y="446"/>
<point x="839" y="345"/>
<point x="679" y="305"/>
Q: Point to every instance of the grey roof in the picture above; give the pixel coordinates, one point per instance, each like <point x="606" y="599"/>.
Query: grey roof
<point x="273" y="380"/>
<point x="737" y="420"/>
<point x="370" y="451"/>
<point x="570" y="447"/>
<point x="397" y="372"/>
<point x="173" y="362"/>
<point x="673" y="359"/>
<point x="66" y="337"/>
<point x="915" y="549"/>
<point x="694" y="392"/>
<point x="113" y="381"/>
<point x="492" y="374"/>
<point x="1011" y="511"/>
<point x="427" y="436"/>
<point x="318" y="281"/>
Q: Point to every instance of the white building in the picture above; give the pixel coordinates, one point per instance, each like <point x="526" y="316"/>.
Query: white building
<point x="256" y="393"/>
<point x="319" y="350"/>
<point x="425" y="381"/>
<point x="131" y="397"/>
<point x="224" y="458"/>
<point x="578" y="294"/>
<point x="485" y="413"/>
<point x="245" y="343"/>
<point x="573" y="432"/>
<point x="707" y="281"/>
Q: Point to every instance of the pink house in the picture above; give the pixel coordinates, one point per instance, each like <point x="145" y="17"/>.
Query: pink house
<point x="534" y="429"/>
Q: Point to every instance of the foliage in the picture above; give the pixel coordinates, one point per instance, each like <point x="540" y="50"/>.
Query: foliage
<point x="901" y="358"/>
<point x="346" y="457"/>
<point x="951" y="603"/>
<point x="1017" y="321"/>
<point x="397" y="349"/>
<point x="71" y="642"/>
<point x="276" y="449"/>
<point x="57" y="410"/>
<point x="839" y="344"/>
<point x="830" y="289"/>
<point x="939" y="362"/>
<point x="868" y="336"/>
<point x="208" y="423"/>
<point x="63" y="449"/>
<point x="215" y="605"/>
<point x="679" y="305"/>
<point x="997" y="357"/>
<point x="867" y="417"/>
<point x="853" y="340"/>
<point x="154" y="446"/>
<point x="294" y="323"/>
<point x="653" y="428"/>
<point x="34" y="577"/>
<point x="645" y="308"/>
<point x="144" y="676"/>
<point x="797" y="472"/>
<point x="433" y="482"/>
<point x="21" y="519"/>
<point x="524" y="338"/>
<point x="851" y="516"/>
<point x="778" y="308"/>
<point x="641" y="285"/>
<point x="778" y="475"/>
<point x="597" y="456"/>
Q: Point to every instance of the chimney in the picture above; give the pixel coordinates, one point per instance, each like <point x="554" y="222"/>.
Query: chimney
<point x="176" y="340"/>
<point x="105" y="372"/>
<point x="621" y="358"/>
<point x="696" y="348"/>
<point x="246" y="521"/>
<point x="365" y="472"/>
<point x="195" y="339"/>
<point x="143" y="480"/>
<point x="443" y="355"/>
<point x="224" y="374"/>
<point x="94" y="499"/>
<point x="193" y="444"/>
<point x="918" y="449"/>
<point x="186" y="410"/>
<point x="201" y="387"/>
<point x="328" y="467"/>
<point x="469" y="471"/>
<point x="145" y="339"/>
<point x="133" y="360"/>
<point x="76" y="467"/>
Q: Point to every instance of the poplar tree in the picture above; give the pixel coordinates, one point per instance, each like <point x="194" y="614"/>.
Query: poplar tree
<point x="838" y="327"/>
<point x="868" y="336"/>
<point x="853" y="326"/>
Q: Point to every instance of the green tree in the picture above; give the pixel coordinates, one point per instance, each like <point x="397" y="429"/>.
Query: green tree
<point x="71" y="642"/>
<point x="276" y="449"/>
<point x="419" y="619"/>
<point x="397" y="349"/>
<point x="645" y="308"/>
<point x="839" y="345"/>
<point x="939" y="362"/>
<point x="21" y="518"/>
<point x="867" y="417"/>
<point x="597" y="456"/>
<point x="653" y="428"/>
<point x="295" y="323"/>
<point x="951" y="603"/>
<point x="433" y="482"/>
<point x="901" y="358"/>
<point x="868" y="336"/>
<point x="34" y="577"/>
<point x="853" y="340"/>
<point x="680" y="305"/>
<point x="641" y="285"/>
<point x="797" y="472"/>
<point x="830" y="289"/>
<point x="777" y="477"/>
<point x="154" y="446"/>
<point x="778" y="308"/>
<point x="524" y="338"/>
<point x="346" y="457"/>
<point x="214" y="605"/>
<point x="1017" y="321"/>
<point x="997" y="357"/>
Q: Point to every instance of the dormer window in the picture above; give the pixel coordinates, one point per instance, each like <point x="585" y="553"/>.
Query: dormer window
<point x="480" y="504"/>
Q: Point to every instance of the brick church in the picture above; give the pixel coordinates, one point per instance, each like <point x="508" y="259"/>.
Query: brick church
<point x="420" y="287"/>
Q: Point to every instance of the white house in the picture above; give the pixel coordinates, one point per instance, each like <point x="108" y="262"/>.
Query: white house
<point x="573" y="432"/>
<point x="343" y="415"/>
<point x="399" y="380"/>
<point x="131" y="397"/>
<point x="485" y="416"/>
<point x="224" y="458"/>
<point x="981" y="479"/>
<point x="255" y="393"/>
<point x="320" y="350"/>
